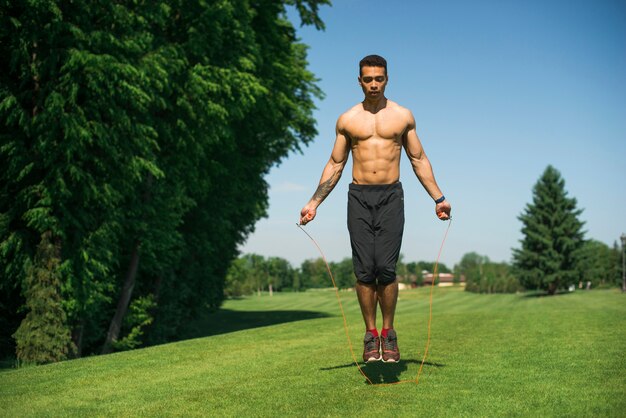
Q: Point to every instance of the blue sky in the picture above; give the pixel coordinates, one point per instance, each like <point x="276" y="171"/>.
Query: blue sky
<point x="499" y="90"/>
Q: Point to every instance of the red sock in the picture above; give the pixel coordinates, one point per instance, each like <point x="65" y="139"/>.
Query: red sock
<point x="373" y="332"/>
<point x="385" y="331"/>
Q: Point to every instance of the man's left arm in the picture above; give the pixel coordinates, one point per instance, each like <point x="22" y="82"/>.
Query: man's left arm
<point x="423" y="169"/>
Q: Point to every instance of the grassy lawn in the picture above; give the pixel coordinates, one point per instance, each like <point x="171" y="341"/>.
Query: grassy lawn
<point x="491" y="355"/>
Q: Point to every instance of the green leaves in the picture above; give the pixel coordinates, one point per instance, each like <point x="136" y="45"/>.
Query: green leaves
<point x="145" y="125"/>
<point x="484" y="276"/>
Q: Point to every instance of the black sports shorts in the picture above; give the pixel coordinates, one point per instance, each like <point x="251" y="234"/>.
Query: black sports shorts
<point x="375" y="223"/>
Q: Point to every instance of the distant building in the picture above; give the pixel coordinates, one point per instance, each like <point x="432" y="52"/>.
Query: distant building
<point x="445" y="279"/>
<point x="426" y="279"/>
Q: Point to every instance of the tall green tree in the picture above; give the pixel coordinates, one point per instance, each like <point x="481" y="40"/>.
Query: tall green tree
<point x="136" y="135"/>
<point x="553" y="236"/>
<point x="43" y="335"/>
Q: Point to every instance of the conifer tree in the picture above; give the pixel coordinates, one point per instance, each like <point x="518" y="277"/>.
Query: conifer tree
<point x="553" y="235"/>
<point x="43" y="336"/>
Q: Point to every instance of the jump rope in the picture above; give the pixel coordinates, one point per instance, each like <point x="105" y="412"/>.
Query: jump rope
<point x="345" y="322"/>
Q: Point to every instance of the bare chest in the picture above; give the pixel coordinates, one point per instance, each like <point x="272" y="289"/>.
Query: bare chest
<point x="382" y="125"/>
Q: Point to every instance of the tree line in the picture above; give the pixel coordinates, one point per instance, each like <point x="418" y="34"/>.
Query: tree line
<point x="599" y="266"/>
<point x="134" y="141"/>
<point x="254" y="274"/>
<point x="554" y="255"/>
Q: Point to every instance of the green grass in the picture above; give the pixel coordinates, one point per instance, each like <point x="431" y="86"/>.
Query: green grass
<point x="491" y="355"/>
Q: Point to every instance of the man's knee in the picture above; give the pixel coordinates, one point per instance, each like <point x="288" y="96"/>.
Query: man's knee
<point x="363" y="271"/>
<point x="364" y="277"/>
<point x="375" y="274"/>
<point x="387" y="275"/>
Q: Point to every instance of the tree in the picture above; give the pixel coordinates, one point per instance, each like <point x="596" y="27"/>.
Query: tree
<point x="254" y="272"/>
<point x="484" y="276"/>
<point x="596" y="264"/>
<point x="136" y="136"/>
<point x="238" y="281"/>
<point x="618" y="265"/>
<point x="471" y="267"/>
<point x="313" y="274"/>
<point x="343" y="272"/>
<point x="553" y="236"/>
<point x="43" y="335"/>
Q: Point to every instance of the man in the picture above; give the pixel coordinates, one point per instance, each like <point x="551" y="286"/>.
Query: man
<point x="376" y="130"/>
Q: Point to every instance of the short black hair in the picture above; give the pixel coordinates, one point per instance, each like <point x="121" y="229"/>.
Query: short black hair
<point x="373" y="61"/>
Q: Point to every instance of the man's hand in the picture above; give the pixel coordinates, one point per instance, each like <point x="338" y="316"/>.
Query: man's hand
<point x="307" y="214"/>
<point x="443" y="210"/>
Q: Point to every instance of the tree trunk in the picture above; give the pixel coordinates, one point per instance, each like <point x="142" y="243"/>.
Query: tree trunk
<point x="35" y="80"/>
<point x="77" y="338"/>
<point x="552" y="288"/>
<point x="157" y="288"/>
<point x="124" y="300"/>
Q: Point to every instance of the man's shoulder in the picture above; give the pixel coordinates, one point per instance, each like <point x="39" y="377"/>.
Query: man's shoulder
<point x="401" y="113"/>
<point x="354" y="110"/>
<point x="398" y="108"/>
<point x="349" y="114"/>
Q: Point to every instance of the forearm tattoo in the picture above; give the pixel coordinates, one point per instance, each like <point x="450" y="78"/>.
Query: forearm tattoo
<point x="325" y="188"/>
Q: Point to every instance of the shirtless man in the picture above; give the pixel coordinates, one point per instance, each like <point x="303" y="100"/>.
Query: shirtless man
<point x="376" y="130"/>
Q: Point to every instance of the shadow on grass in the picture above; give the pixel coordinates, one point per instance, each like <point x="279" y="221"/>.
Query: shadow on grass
<point x="541" y="294"/>
<point x="223" y="321"/>
<point x="226" y="320"/>
<point x="379" y="372"/>
<point x="7" y="364"/>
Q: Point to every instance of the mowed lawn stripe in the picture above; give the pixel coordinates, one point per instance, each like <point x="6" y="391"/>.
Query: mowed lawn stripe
<point x="490" y="355"/>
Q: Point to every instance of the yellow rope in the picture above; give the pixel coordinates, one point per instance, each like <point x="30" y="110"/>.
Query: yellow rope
<point x="345" y="323"/>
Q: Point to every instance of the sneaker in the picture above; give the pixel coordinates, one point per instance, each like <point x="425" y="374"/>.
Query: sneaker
<point x="371" y="348"/>
<point x="391" y="352"/>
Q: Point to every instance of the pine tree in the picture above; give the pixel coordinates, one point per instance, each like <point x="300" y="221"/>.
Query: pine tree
<point x="553" y="236"/>
<point x="43" y="336"/>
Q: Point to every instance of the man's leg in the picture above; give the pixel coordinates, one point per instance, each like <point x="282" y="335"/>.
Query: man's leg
<point x="388" y="298"/>
<point x="366" y="293"/>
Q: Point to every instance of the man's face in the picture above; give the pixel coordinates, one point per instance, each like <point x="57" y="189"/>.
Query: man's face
<point x="373" y="81"/>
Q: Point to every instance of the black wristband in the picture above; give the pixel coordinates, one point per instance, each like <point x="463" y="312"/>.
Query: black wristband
<point x="441" y="199"/>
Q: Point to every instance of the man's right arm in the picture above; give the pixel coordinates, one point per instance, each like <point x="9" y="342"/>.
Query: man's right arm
<point x="330" y="175"/>
<point x="423" y="170"/>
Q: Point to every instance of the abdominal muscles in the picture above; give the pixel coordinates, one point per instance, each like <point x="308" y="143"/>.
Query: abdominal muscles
<point x="376" y="161"/>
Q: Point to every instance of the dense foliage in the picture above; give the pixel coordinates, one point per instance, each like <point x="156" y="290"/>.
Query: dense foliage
<point x="134" y="137"/>
<point x="553" y="237"/>
<point x="484" y="276"/>
<point x="599" y="265"/>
